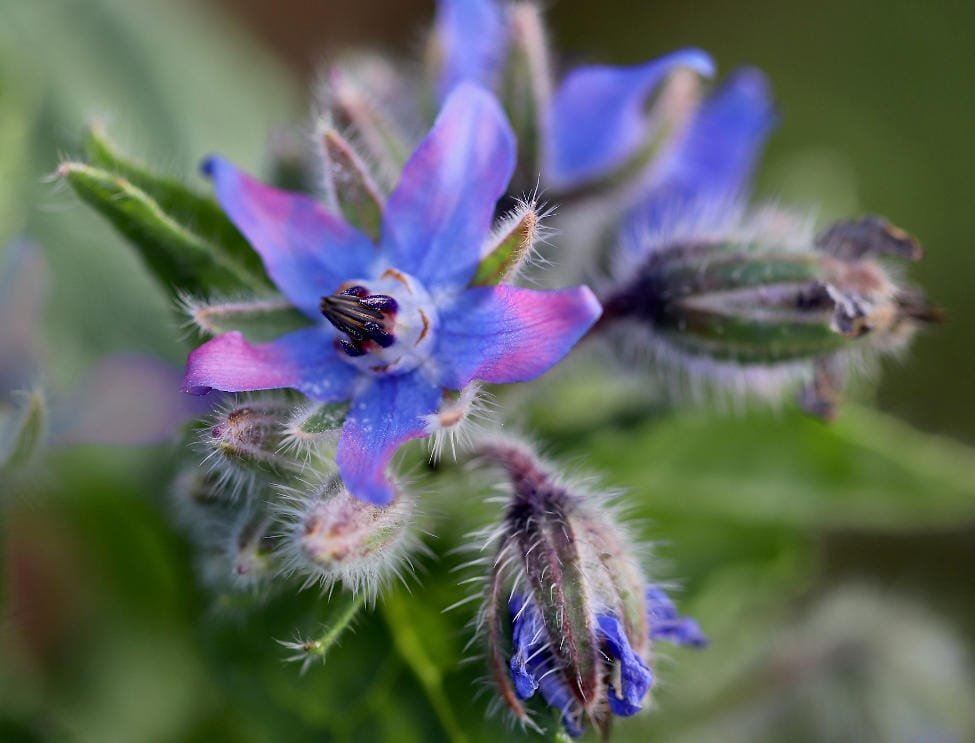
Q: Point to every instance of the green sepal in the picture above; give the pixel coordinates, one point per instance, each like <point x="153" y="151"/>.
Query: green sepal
<point x="200" y="213"/>
<point x="514" y="244"/>
<point x="352" y="184"/>
<point x="258" y="319"/>
<point x="316" y="423"/>
<point x="180" y="258"/>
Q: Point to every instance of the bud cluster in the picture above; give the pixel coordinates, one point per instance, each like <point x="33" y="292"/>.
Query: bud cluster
<point x="260" y="519"/>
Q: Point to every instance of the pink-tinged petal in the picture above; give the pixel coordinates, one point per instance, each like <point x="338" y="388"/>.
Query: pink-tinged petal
<point x="472" y="36"/>
<point x="128" y="399"/>
<point x="505" y="334"/>
<point x="440" y="213"/>
<point x="381" y="418"/>
<point x="305" y="360"/>
<point x="307" y="251"/>
<point x="597" y="119"/>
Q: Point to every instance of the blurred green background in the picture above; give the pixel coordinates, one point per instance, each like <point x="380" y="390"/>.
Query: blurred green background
<point x="830" y="565"/>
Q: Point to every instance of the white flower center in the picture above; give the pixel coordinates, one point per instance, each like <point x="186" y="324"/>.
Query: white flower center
<point x="380" y="336"/>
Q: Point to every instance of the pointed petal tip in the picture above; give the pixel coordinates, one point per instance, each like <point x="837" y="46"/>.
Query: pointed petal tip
<point x="697" y="60"/>
<point x="442" y="209"/>
<point x="208" y="165"/>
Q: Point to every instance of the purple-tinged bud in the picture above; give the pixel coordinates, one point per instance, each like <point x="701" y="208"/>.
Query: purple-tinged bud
<point x="369" y="100"/>
<point x="244" y="440"/>
<point x="752" y="309"/>
<point x="335" y="537"/>
<point x="569" y="612"/>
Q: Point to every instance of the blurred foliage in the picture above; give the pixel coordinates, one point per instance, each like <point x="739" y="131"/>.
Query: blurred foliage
<point x="104" y="635"/>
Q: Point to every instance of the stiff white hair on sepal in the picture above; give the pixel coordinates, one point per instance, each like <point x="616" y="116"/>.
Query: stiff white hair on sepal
<point x="515" y="242"/>
<point x="313" y="429"/>
<point x="329" y="536"/>
<point x="460" y="419"/>
<point x="260" y="318"/>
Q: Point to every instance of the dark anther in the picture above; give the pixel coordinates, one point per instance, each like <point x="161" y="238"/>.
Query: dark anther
<point x="360" y="316"/>
<point x="351" y="348"/>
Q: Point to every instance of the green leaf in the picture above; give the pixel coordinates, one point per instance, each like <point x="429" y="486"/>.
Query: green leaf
<point x="259" y="320"/>
<point x="21" y="438"/>
<point x="180" y="258"/>
<point x="199" y="213"/>
<point x="867" y="470"/>
<point x="513" y="244"/>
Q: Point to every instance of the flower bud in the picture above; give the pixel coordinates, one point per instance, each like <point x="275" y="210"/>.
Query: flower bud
<point x="244" y="440"/>
<point x="752" y="309"/>
<point x="335" y="537"/>
<point x="568" y="611"/>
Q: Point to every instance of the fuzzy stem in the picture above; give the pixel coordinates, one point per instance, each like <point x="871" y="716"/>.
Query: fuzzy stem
<point x="333" y="631"/>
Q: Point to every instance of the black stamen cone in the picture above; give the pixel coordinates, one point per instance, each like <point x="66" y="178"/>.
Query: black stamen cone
<point x="360" y="316"/>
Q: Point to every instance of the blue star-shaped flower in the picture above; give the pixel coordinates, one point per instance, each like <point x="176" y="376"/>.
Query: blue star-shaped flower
<point x="396" y="323"/>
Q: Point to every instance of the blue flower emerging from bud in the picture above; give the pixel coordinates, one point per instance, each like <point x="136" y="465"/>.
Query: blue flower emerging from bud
<point x="569" y="614"/>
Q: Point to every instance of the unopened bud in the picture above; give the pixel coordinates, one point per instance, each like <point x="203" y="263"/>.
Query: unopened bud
<point x="569" y="613"/>
<point x="336" y="537"/>
<point x="244" y="440"/>
<point x="239" y="554"/>
<point x="740" y="310"/>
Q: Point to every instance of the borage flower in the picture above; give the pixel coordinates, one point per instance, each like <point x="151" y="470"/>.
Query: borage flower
<point x="395" y="323"/>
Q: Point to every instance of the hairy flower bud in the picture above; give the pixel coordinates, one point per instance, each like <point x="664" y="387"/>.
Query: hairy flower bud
<point x="335" y="537"/>
<point x="569" y="612"/>
<point x="245" y="439"/>
<point x="240" y="552"/>
<point x="753" y="308"/>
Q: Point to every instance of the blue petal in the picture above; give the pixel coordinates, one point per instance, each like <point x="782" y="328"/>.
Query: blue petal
<point x="384" y="415"/>
<point x="666" y="624"/>
<point x="504" y="334"/>
<point x="713" y="159"/>
<point x="473" y="36"/>
<point x="527" y="637"/>
<point x="531" y="665"/>
<point x="635" y="677"/>
<point x="307" y="251"/>
<point x="440" y="213"/>
<point x="597" y="121"/>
